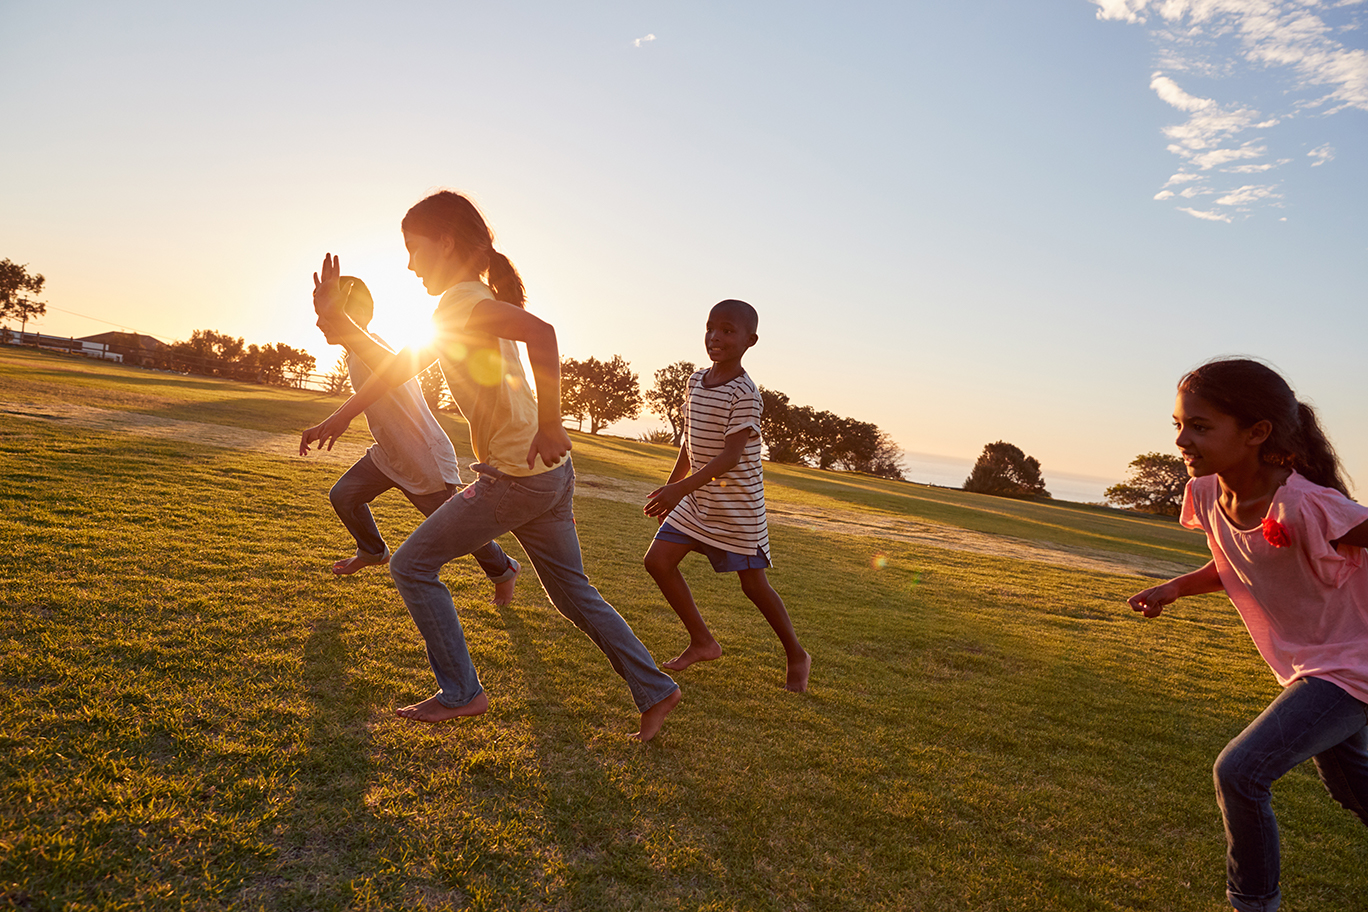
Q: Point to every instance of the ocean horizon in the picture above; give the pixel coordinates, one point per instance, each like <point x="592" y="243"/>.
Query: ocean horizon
<point x="951" y="471"/>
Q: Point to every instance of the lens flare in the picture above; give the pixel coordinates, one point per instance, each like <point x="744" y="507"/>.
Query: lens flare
<point x="879" y="560"/>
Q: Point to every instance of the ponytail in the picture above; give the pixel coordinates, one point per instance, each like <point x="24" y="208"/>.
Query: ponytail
<point x="1315" y="457"/>
<point x="504" y="280"/>
<point x="1250" y="392"/>
<point x="447" y="214"/>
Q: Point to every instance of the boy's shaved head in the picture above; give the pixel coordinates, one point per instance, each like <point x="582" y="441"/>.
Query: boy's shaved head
<point x="740" y="311"/>
<point x="360" y="305"/>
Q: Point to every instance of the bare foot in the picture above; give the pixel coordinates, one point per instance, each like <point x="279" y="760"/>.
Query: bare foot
<point x="693" y="654"/>
<point x="503" y="592"/>
<point x="433" y="710"/>
<point x="357" y="561"/>
<point x="653" y="718"/>
<point x="798" y="674"/>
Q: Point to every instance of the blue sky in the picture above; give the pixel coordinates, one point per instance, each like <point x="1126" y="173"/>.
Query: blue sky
<point x="962" y="222"/>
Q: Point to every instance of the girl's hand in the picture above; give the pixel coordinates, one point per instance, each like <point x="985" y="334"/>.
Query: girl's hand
<point x="1151" y="602"/>
<point x="327" y="432"/>
<point x="661" y="501"/>
<point x="551" y="443"/>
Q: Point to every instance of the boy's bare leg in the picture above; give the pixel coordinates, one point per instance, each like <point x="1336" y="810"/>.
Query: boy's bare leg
<point x="653" y="718"/>
<point x="432" y="709"/>
<point x="503" y="592"/>
<point x="662" y="562"/>
<point x="357" y="561"/>
<point x="758" y="589"/>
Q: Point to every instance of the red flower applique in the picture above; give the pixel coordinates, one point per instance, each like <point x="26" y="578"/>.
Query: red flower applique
<point x="1276" y="533"/>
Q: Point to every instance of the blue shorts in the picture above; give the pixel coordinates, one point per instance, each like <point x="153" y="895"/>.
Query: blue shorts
<point x="722" y="560"/>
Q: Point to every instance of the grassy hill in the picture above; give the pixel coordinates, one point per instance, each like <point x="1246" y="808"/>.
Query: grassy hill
<point x="195" y="713"/>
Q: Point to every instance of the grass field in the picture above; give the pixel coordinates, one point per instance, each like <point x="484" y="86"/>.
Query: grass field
<point x="194" y="713"/>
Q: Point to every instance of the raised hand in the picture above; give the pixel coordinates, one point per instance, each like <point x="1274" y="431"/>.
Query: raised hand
<point x="328" y="294"/>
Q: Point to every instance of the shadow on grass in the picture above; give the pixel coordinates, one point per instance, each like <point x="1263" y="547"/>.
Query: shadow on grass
<point x="328" y="835"/>
<point x="588" y="817"/>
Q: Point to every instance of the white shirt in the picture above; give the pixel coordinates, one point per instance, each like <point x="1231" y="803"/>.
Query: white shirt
<point x="410" y="446"/>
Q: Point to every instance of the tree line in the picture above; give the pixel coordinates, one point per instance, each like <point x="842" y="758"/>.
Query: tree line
<point x="603" y="392"/>
<point x="216" y="354"/>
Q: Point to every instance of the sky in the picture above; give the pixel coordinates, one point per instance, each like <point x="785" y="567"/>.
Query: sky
<point x="962" y="222"/>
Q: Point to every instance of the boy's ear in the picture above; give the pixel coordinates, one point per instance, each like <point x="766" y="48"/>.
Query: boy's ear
<point x="753" y="339"/>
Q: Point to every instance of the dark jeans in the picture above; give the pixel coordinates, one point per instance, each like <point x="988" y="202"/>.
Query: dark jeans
<point x="364" y="482"/>
<point x="1311" y="718"/>
<point x="539" y="511"/>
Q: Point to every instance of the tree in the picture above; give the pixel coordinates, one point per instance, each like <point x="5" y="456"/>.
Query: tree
<point x="781" y="427"/>
<point x="666" y="398"/>
<point x="1004" y="470"/>
<point x="337" y="382"/>
<point x="1155" y="485"/>
<point x="16" y="285"/>
<point x="870" y="450"/>
<point x="602" y="391"/>
<point x="208" y="352"/>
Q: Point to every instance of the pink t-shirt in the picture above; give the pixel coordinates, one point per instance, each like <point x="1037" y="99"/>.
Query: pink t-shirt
<point x="1305" y="604"/>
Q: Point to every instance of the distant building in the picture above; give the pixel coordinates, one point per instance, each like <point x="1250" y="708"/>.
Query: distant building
<point x="62" y="343"/>
<point x="133" y="348"/>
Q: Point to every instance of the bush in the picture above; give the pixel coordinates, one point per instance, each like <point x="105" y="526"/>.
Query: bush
<point x="1155" y="485"/>
<point x="1004" y="470"/>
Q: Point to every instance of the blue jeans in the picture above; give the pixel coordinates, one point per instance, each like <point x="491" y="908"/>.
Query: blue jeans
<point x="1310" y="718"/>
<point x="539" y="512"/>
<point x="364" y="482"/>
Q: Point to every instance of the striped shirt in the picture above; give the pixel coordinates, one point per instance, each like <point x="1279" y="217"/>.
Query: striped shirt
<point x="729" y="511"/>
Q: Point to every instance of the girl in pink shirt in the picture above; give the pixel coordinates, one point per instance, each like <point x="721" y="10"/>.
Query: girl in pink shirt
<point x="1287" y="547"/>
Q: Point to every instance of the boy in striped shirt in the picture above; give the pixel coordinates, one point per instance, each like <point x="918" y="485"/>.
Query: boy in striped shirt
<point x="714" y="501"/>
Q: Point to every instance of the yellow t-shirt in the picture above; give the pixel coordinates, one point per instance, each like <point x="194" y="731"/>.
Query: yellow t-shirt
<point x="486" y="379"/>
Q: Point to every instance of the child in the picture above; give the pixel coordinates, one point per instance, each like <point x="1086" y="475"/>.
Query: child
<point x="714" y="501"/>
<point x="1287" y="547"/>
<point x="411" y="453"/>
<point x="526" y="482"/>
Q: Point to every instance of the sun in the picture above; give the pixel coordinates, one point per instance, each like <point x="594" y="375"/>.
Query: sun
<point x="406" y="329"/>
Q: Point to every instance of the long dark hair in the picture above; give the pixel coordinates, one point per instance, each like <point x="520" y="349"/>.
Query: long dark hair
<point x="1250" y="391"/>
<point x="447" y="214"/>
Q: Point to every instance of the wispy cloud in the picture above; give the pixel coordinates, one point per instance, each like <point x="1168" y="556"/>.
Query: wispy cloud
<point x="1208" y="215"/>
<point x="1247" y="194"/>
<point x="643" y="40"/>
<point x="1225" y="39"/>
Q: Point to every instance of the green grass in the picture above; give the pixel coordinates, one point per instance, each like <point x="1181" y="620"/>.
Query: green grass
<point x="195" y="714"/>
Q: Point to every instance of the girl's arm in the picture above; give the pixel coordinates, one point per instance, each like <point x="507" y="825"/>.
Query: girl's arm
<point x="497" y="318"/>
<point x="1357" y="536"/>
<point x="1151" y="601"/>
<point x="664" y="499"/>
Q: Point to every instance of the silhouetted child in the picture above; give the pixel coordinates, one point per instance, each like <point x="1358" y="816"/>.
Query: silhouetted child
<point x="1287" y="546"/>
<point x="411" y="453"/>
<point x="527" y="482"/>
<point x="714" y="501"/>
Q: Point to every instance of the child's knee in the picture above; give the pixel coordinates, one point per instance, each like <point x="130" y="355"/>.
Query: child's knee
<point x="655" y="565"/>
<point x="401" y="567"/>
<point x="755" y="585"/>
<point x="1235" y="772"/>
